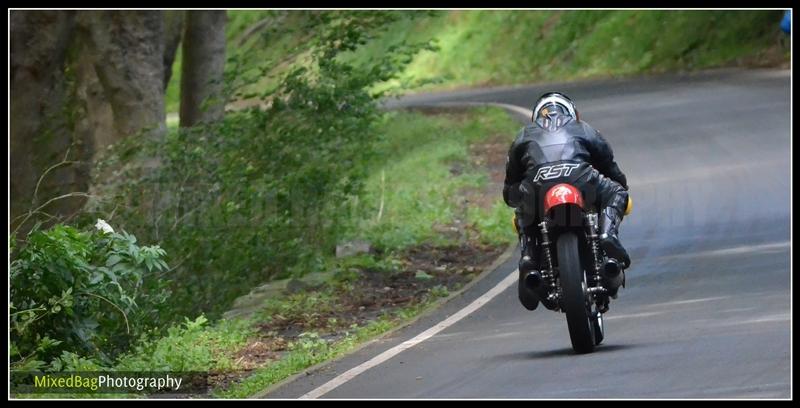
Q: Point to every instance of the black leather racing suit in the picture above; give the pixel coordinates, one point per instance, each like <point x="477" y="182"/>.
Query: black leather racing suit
<point x="577" y="154"/>
<point x="576" y="142"/>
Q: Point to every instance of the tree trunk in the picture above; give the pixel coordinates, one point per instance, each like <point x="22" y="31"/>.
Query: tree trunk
<point x="79" y="80"/>
<point x="129" y="51"/>
<point x="203" y="67"/>
<point x="97" y="122"/>
<point x="41" y="116"/>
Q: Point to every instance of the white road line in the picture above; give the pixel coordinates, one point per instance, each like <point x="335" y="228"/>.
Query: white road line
<point x="773" y="318"/>
<point x="685" y="302"/>
<point x="513" y="108"/>
<point x="386" y="355"/>
<point x="628" y="316"/>
<point x="683" y="392"/>
<point x="486" y="297"/>
<point x="518" y="109"/>
<point x="738" y="250"/>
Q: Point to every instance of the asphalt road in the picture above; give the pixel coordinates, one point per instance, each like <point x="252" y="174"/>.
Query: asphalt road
<point x="707" y="308"/>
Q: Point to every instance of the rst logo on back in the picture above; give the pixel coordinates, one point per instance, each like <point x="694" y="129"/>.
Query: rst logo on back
<point x="554" y="171"/>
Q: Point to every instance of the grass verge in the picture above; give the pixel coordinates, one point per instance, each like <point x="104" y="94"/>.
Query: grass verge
<point x="433" y="219"/>
<point x="435" y="195"/>
<point x="494" y="47"/>
<point x="480" y="48"/>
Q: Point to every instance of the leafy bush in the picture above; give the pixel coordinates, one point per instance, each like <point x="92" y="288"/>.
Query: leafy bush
<point x="263" y="193"/>
<point x="419" y="188"/>
<point x="190" y="346"/>
<point x="505" y="47"/>
<point x="90" y="292"/>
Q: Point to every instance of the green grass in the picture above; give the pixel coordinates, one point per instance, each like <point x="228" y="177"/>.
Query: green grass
<point x="419" y="190"/>
<point x="486" y="47"/>
<point x="308" y="352"/>
<point x="192" y="346"/>
<point x="415" y="182"/>
<point x="313" y="350"/>
<point x="512" y="47"/>
<point x="172" y="96"/>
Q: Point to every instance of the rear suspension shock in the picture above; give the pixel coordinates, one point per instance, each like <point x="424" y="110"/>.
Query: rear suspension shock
<point x="549" y="273"/>
<point x="594" y="245"/>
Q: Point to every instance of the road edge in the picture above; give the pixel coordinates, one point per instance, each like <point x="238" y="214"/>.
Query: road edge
<point x="513" y="110"/>
<point x="432" y="308"/>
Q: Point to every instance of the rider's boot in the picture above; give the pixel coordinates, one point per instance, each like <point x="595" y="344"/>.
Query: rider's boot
<point x="609" y="241"/>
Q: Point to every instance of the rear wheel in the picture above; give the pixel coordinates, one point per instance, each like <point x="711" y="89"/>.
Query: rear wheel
<point x="576" y="300"/>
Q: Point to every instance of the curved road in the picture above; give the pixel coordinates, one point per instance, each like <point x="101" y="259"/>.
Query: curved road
<point x="707" y="308"/>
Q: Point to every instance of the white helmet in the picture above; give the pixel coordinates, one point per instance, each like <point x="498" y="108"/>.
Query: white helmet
<point x="554" y="110"/>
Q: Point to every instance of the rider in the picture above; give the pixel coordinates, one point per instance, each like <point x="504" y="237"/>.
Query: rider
<point x="556" y="136"/>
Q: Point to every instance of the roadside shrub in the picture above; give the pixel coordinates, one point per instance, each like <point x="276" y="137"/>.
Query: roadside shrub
<point x="189" y="346"/>
<point x="263" y="193"/>
<point x="88" y="292"/>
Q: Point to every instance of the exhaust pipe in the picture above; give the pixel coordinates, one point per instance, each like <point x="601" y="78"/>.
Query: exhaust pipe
<point x="533" y="281"/>
<point x="613" y="276"/>
<point x="535" y="285"/>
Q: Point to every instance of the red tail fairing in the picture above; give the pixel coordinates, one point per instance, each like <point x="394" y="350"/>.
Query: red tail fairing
<point x="562" y="194"/>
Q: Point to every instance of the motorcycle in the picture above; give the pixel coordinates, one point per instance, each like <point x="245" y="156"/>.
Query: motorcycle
<point x="575" y="274"/>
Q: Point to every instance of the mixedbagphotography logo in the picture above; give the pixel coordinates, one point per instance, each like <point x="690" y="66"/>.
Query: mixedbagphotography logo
<point x="109" y="382"/>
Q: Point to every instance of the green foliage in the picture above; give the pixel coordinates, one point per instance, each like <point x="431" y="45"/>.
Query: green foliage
<point x="89" y="292"/>
<point x="265" y="192"/>
<point x="69" y="361"/>
<point x="193" y="345"/>
<point x="308" y="350"/>
<point x="172" y="95"/>
<point x="480" y="47"/>
<point x="310" y="347"/>
<point x="190" y="346"/>
<point x="303" y="309"/>
<point x="346" y="269"/>
<point x="421" y="186"/>
<point x="469" y="47"/>
<point x="494" y="223"/>
<point x="264" y="45"/>
<point x="310" y="344"/>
